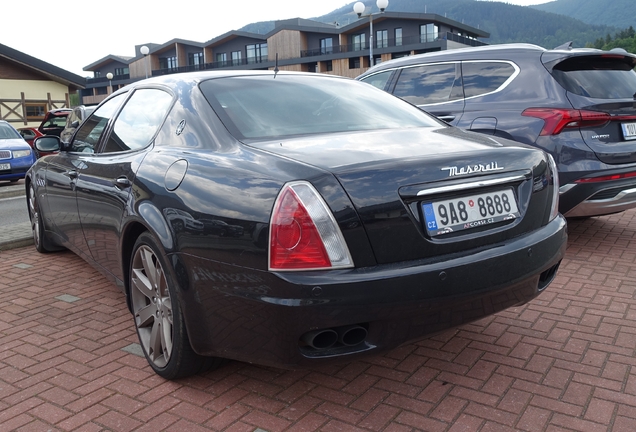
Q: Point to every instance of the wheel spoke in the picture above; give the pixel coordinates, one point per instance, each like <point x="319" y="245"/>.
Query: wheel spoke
<point x="155" y="343"/>
<point x="145" y="315"/>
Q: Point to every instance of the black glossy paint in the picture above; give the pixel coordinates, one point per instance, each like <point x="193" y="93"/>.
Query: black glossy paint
<point x="207" y="198"/>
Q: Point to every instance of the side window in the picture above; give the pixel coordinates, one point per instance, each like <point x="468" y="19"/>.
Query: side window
<point x="429" y="84"/>
<point x="139" y="120"/>
<point x="88" y="135"/>
<point x="378" y="80"/>
<point x="485" y="77"/>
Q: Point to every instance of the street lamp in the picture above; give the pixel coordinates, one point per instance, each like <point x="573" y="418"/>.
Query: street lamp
<point x="359" y="8"/>
<point x="145" y="50"/>
<point x="110" y="82"/>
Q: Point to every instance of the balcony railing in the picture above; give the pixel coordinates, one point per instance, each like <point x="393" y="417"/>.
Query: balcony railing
<point x="390" y="43"/>
<point x="210" y="66"/>
<point x="105" y="80"/>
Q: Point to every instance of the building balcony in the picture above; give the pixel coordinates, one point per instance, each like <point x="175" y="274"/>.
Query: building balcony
<point x="392" y="43"/>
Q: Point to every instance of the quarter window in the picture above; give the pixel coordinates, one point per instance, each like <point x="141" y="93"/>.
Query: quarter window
<point x="484" y="77"/>
<point x="378" y="80"/>
<point x="88" y="135"/>
<point x="429" y="84"/>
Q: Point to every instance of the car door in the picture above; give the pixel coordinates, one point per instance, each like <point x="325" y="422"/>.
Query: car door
<point x="435" y="88"/>
<point x="105" y="181"/>
<point x="62" y="176"/>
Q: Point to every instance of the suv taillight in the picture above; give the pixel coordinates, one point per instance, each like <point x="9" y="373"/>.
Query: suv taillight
<point x="557" y="119"/>
<point x="303" y="233"/>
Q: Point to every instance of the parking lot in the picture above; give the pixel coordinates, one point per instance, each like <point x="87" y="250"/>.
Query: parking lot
<point x="69" y="360"/>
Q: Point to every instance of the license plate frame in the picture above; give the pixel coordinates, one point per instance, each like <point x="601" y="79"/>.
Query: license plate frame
<point x="629" y="131"/>
<point x="5" y="166"/>
<point x="446" y="216"/>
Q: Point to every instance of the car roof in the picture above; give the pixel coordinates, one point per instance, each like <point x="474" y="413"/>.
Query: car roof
<point x="491" y="52"/>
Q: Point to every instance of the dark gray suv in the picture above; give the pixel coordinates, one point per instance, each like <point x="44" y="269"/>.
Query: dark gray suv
<point x="577" y="104"/>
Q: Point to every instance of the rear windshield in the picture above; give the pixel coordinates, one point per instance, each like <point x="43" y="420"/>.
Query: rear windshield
<point x="597" y="77"/>
<point x="262" y="107"/>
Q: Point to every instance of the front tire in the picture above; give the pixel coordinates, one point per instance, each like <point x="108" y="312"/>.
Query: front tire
<point x="157" y="314"/>
<point x="40" y="239"/>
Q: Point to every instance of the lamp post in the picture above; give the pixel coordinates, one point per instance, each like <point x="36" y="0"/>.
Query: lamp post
<point x="359" y="8"/>
<point x="145" y="50"/>
<point x="110" y="81"/>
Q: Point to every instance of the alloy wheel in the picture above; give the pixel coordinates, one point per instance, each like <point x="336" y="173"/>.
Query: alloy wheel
<point x="152" y="306"/>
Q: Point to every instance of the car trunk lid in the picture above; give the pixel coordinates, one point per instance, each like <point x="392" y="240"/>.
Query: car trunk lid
<point x="391" y="176"/>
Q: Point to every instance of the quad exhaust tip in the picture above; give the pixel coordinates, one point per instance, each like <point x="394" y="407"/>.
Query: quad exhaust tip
<point x="347" y="336"/>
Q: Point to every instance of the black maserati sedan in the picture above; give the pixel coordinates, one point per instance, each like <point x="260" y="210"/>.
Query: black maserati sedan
<point x="358" y="222"/>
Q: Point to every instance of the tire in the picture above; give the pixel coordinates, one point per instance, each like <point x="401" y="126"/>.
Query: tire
<point x="40" y="239"/>
<point x="157" y="314"/>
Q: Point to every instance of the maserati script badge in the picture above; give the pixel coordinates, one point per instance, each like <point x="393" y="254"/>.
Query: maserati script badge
<point x="469" y="169"/>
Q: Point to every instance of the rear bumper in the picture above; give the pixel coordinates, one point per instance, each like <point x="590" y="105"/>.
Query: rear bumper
<point x="597" y="199"/>
<point x="261" y="317"/>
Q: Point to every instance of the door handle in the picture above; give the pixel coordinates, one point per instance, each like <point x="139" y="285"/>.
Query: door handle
<point x="122" y="182"/>
<point x="72" y="174"/>
<point x="446" y="118"/>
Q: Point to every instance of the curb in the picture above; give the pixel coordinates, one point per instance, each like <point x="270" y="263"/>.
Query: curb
<point x="19" y="235"/>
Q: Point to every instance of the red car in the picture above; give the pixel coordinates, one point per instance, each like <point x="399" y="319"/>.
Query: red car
<point x="54" y="121"/>
<point x="29" y="134"/>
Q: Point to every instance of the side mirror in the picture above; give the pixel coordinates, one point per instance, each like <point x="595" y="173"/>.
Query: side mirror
<point x="47" y="143"/>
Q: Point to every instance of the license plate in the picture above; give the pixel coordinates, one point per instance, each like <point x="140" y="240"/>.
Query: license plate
<point x="5" y="166"/>
<point x="442" y="217"/>
<point x="629" y="130"/>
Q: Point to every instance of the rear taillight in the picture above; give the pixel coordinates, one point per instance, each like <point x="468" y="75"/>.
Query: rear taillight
<point x="556" y="120"/>
<point x="554" y="181"/>
<point x="606" y="178"/>
<point x="304" y="234"/>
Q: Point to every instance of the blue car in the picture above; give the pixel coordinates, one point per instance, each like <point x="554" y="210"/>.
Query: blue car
<point x="16" y="156"/>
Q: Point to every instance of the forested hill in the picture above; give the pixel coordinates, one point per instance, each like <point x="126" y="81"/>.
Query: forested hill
<point x="504" y="22"/>
<point x="617" y="13"/>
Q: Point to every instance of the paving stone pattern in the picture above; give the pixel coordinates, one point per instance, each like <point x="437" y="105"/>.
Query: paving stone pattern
<point x="69" y="360"/>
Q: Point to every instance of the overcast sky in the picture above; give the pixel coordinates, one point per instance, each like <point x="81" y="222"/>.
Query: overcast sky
<point x="69" y="37"/>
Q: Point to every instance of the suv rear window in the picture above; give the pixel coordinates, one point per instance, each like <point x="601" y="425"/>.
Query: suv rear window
<point x="597" y="77"/>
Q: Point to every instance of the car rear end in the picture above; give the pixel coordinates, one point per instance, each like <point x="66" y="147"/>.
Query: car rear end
<point x="381" y="230"/>
<point x="594" y="135"/>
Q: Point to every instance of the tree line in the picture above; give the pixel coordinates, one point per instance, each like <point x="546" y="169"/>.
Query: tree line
<point x="625" y="39"/>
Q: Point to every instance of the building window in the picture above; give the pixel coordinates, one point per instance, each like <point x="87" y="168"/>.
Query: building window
<point x="122" y="71"/>
<point x="102" y="90"/>
<point x="195" y="59"/>
<point x="97" y="74"/>
<point x="381" y="39"/>
<point x="221" y="59"/>
<point x="35" y="111"/>
<point x="358" y="41"/>
<point x="428" y="33"/>
<point x="398" y="37"/>
<point x="256" y="53"/>
<point x="354" y="63"/>
<point x="329" y="66"/>
<point x="168" y="63"/>
<point x="236" y="58"/>
<point x="326" y="46"/>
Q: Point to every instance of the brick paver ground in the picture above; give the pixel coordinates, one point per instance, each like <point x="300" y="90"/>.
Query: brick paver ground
<point x="563" y="362"/>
